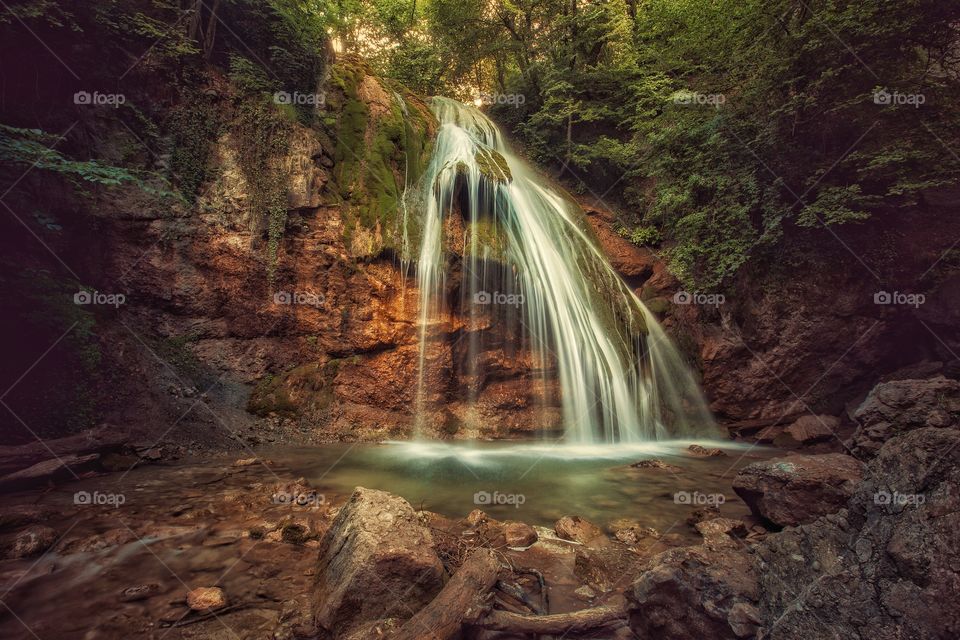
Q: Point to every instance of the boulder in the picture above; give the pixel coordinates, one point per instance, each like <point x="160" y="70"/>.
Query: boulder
<point x="721" y="530"/>
<point x="376" y="561"/>
<point x="893" y="408"/>
<point x="695" y="592"/>
<point x="810" y="429"/>
<point x="887" y="567"/>
<point x="798" y="489"/>
<point x="576" y="529"/>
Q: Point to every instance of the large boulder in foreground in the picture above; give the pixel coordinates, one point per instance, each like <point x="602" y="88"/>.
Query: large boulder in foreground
<point x="798" y="489"/>
<point x="894" y="408"/>
<point x="706" y="591"/>
<point x="376" y="561"/>
<point x="886" y="568"/>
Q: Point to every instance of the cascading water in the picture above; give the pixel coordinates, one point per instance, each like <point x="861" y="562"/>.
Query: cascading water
<point x="531" y="263"/>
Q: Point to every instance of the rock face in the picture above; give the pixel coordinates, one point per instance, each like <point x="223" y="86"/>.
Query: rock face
<point x="696" y="592"/>
<point x="798" y="489"/>
<point x="882" y="569"/>
<point x="893" y="408"/>
<point x="376" y="561"/>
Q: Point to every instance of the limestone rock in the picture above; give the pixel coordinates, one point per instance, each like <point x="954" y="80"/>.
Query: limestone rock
<point x="893" y="408"/>
<point x="798" y="489"/>
<point x="376" y="561"/>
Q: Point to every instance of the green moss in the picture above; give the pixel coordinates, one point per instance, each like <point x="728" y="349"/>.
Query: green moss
<point x="193" y="125"/>
<point x="308" y="387"/>
<point x="493" y="165"/>
<point x="375" y="158"/>
<point x="262" y="134"/>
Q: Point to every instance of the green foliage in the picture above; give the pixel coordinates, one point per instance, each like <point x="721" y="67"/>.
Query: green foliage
<point x="261" y="135"/>
<point x="194" y="124"/>
<point x="33" y="148"/>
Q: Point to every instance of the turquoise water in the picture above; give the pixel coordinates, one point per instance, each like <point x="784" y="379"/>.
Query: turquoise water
<point x="534" y="482"/>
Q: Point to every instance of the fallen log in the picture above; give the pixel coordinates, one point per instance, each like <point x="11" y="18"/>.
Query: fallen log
<point x="556" y="623"/>
<point x="462" y="601"/>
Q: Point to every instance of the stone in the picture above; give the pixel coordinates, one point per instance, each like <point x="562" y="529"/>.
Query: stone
<point x="721" y="530"/>
<point x="810" y="429"/>
<point x="204" y="599"/>
<point x="55" y="469"/>
<point x="32" y="541"/>
<point x="885" y="568"/>
<point x="519" y="534"/>
<point x="577" y="529"/>
<point x="631" y="531"/>
<point x="694" y="592"/>
<point x="376" y="561"/>
<point x="139" y="592"/>
<point x="658" y="465"/>
<point x="703" y="452"/>
<point x="798" y="489"/>
<point x="893" y="408"/>
<point x="707" y="512"/>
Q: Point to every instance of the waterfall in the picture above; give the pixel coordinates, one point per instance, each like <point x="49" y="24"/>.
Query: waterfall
<point x="533" y="274"/>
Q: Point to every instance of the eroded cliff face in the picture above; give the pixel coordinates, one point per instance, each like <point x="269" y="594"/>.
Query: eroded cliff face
<point x="806" y="333"/>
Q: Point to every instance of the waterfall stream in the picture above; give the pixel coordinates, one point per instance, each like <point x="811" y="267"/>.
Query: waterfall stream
<point x="533" y="276"/>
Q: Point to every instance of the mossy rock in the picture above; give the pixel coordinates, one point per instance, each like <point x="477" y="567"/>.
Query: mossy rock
<point x="308" y="387"/>
<point x="658" y="305"/>
<point x="493" y="166"/>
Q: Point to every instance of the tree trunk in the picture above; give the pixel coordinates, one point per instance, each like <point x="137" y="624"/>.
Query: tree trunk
<point x="462" y="601"/>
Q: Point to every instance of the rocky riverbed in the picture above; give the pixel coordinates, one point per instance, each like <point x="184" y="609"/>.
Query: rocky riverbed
<point x="828" y="543"/>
